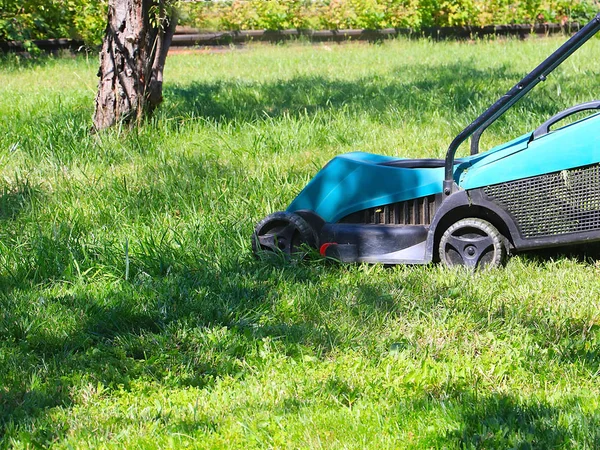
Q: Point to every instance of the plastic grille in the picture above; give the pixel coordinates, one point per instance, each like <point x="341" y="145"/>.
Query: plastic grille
<point x="552" y="204"/>
<point x="419" y="211"/>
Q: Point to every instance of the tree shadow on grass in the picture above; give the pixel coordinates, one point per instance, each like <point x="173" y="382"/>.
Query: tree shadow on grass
<point x="502" y="421"/>
<point x="450" y="90"/>
<point x="16" y="198"/>
<point x="187" y="328"/>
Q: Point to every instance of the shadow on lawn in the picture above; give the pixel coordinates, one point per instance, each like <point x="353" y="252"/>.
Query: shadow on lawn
<point x="585" y="253"/>
<point x="448" y="91"/>
<point x="186" y="328"/>
<point x="502" y="421"/>
<point x="15" y="198"/>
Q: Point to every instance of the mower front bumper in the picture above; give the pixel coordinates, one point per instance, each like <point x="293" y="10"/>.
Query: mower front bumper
<point x="386" y="244"/>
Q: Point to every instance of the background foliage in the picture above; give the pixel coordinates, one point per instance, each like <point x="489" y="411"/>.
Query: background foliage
<point x="85" y="19"/>
<point x="374" y="14"/>
<point x="24" y="20"/>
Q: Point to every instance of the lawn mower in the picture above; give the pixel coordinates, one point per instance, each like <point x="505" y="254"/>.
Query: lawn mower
<point x="539" y="190"/>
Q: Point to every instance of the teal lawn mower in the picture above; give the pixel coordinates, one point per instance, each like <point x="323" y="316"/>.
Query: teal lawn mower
<point x="539" y="190"/>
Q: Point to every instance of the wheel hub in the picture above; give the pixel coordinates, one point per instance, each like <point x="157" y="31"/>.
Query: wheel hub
<point x="471" y="251"/>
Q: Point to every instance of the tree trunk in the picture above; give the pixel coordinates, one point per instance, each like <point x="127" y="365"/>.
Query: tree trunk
<point x="138" y="36"/>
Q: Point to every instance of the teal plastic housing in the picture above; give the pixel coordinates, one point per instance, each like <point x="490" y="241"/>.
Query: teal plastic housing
<point x="574" y="145"/>
<point x="356" y="181"/>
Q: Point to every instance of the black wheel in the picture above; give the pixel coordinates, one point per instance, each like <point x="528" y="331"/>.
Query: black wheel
<point x="474" y="243"/>
<point x="283" y="232"/>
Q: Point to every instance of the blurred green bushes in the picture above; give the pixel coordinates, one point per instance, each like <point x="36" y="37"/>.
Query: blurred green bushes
<point x="25" y="20"/>
<point x="374" y="14"/>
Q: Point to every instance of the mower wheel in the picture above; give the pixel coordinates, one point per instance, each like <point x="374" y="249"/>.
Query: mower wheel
<point x="283" y="232"/>
<point x="474" y="243"/>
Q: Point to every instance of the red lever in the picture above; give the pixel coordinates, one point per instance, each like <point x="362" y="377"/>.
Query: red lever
<point x="325" y="246"/>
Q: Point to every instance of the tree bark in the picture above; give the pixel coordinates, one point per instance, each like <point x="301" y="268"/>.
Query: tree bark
<point x="132" y="60"/>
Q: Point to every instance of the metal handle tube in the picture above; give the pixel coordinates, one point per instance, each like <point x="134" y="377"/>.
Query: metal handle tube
<point x="516" y="93"/>
<point x="477" y="137"/>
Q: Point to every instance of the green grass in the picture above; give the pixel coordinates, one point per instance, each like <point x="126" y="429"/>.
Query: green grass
<point x="132" y="312"/>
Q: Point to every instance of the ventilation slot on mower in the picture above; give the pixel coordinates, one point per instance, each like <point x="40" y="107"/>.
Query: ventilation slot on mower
<point x="552" y="204"/>
<point x="419" y="211"/>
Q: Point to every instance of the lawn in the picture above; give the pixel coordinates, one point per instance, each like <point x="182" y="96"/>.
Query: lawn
<point x="132" y="313"/>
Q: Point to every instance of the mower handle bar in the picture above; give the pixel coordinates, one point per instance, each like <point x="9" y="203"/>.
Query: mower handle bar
<point x="517" y="92"/>
<point x="545" y="127"/>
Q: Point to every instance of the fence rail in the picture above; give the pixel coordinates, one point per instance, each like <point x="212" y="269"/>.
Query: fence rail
<point x="187" y="37"/>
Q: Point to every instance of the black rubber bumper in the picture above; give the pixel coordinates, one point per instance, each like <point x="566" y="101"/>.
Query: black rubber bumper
<point x="387" y="244"/>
